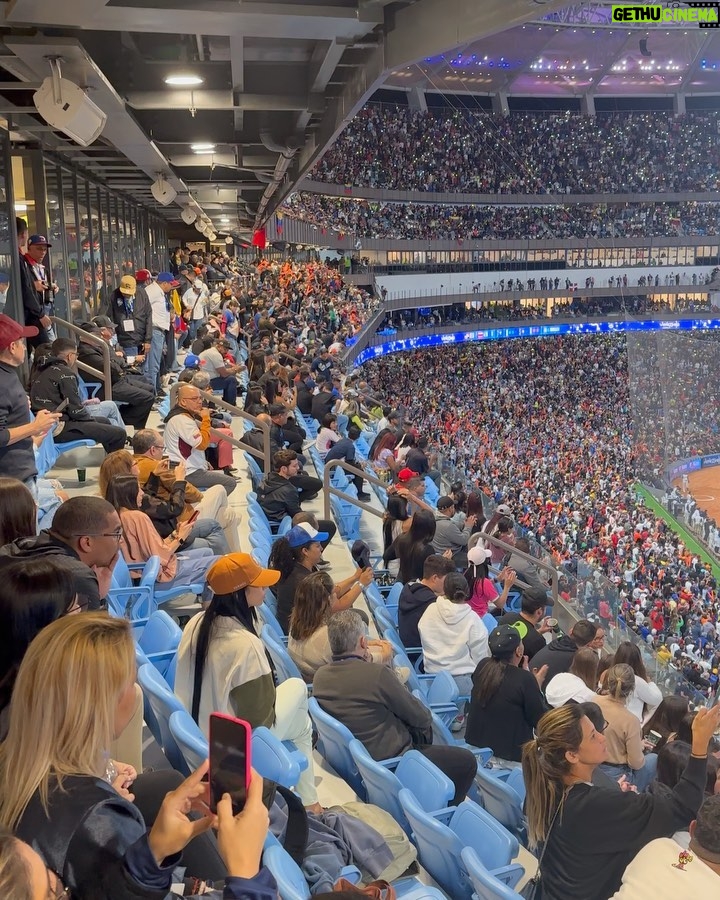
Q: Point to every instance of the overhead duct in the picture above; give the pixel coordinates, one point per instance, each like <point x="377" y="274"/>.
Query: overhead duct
<point x="283" y="164"/>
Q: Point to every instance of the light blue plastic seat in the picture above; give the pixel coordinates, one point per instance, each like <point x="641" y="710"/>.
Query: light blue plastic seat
<point x="268" y="617"/>
<point x="485" y="884"/>
<point x="384" y="781"/>
<point x="49" y="451"/>
<point x="285" y="666"/>
<point x="334" y="746"/>
<point x="133" y="600"/>
<point x="503" y="799"/>
<point x="441" y="835"/>
<point x="159" y="640"/>
<point x="163" y="703"/>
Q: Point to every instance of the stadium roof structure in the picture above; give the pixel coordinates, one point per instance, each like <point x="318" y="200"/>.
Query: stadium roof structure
<point x="233" y="101"/>
<point x="576" y="51"/>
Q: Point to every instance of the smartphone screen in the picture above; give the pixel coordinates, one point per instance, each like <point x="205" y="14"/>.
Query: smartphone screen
<point x="173" y="464"/>
<point x="62" y="406"/>
<point x="229" y="760"/>
<point x="194" y="517"/>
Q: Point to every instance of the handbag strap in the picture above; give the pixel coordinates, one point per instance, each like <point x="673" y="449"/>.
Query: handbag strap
<point x="547" y="836"/>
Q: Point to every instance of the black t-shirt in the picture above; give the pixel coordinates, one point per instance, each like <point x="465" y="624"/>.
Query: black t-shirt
<point x="285" y="593"/>
<point x="534" y="642"/>
<point x="417" y="461"/>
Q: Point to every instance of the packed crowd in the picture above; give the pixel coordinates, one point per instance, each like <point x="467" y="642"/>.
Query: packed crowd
<point x="549" y="428"/>
<point x="434" y="222"/>
<point x="525" y="153"/>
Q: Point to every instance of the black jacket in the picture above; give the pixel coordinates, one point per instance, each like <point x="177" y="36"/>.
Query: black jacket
<point x="414" y="600"/>
<point x="278" y="497"/>
<point x="322" y="403"/>
<point x="557" y="655"/>
<point x="44" y="544"/>
<point x="92" y="356"/>
<point x="119" y="311"/>
<point x="32" y="302"/>
<point x="54" y="382"/>
<point x="507" y="721"/>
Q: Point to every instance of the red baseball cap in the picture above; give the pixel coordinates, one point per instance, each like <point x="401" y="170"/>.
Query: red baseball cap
<point x="143" y="275"/>
<point x="11" y="331"/>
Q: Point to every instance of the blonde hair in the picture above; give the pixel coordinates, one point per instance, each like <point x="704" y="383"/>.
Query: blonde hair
<point x="620" y="681"/>
<point x="119" y="462"/>
<point x="15" y="878"/>
<point x="62" y="715"/>
<point x="545" y="766"/>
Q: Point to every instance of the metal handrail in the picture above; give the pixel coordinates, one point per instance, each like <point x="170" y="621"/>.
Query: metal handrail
<point x="526" y="556"/>
<point x="329" y="489"/>
<point x="264" y="455"/>
<point x="106" y="375"/>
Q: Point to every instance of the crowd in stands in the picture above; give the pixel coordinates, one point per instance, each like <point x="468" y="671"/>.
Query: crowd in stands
<point x="434" y="222"/>
<point x="525" y="153"/>
<point x="549" y="428"/>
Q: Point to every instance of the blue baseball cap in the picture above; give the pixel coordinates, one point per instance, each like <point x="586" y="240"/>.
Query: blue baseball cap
<point x="167" y="277"/>
<point x="38" y="239"/>
<point x="193" y="362"/>
<point x="304" y="534"/>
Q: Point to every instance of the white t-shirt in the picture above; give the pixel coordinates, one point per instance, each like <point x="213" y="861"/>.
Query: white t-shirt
<point x="159" y="305"/>
<point x="325" y="439"/>
<point x="565" y="686"/>
<point x="182" y="437"/>
<point x="653" y="874"/>
<point x="212" y="360"/>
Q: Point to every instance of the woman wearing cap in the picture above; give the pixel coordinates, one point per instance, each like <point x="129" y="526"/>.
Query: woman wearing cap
<point x="223" y="666"/>
<point x="296" y="555"/>
<point x="482" y="590"/>
<point x="506" y="701"/>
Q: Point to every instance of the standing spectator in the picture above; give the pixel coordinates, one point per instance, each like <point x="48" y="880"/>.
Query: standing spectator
<point x="55" y="382"/>
<point x="413" y="547"/>
<point x="506" y="702"/>
<point x="558" y="654"/>
<point x="31" y="288"/>
<point x="131" y="313"/>
<point x="448" y="536"/>
<point x="156" y="293"/>
<point x="17" y="458"/>
<point x="323" y="402"/>
<point x="417" y="460"/>
<point x="454" y="639"/>
<point x="646" y="695"/>
<point x="417" y="596"/>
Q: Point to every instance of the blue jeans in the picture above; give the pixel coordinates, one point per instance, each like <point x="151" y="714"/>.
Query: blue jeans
<point x="641" y="778"/>
<point x="153" y="360"/>
<point x="228" y="385"/>
<point x="107" y="409"/>
<point x="192" y="566"/>
<point x="208" y="534"/>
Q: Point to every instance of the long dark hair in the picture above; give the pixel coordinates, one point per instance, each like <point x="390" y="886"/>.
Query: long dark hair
<point x="234" y="606"/>
<point x="283" y="557"/>
<point x="35" y="592"/>
<point x="629" y="654"/>
<point x="18" y="513"/>
<point x="412" y="546"/>
<point x="487" y="683"/>
<point x="667" y="718"/>
<point x="311" y="608"/>
<point x="475" y="573"/>
<point x="122" y="492"/>
<point x="396" y="511"/>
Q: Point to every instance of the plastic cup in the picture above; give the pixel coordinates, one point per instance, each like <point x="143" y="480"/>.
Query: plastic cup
<point x="82" y="474"/>
<point x="130" y="360"/>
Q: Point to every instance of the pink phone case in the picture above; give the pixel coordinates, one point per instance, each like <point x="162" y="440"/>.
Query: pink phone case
<point x="243" y="730"/>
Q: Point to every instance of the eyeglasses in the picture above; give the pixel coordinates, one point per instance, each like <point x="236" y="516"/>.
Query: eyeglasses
<point x="118" y="535"/>
<point x="56" y="891"/>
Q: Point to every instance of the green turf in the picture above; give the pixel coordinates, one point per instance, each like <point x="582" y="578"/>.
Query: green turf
<point x="689" y="539"/>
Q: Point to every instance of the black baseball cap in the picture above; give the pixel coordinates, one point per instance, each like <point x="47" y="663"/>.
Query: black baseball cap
<point x="504" y="639"/>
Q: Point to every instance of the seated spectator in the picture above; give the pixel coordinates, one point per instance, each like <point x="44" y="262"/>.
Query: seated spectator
<point x="503" y="531"/>
<point x="671" y="762"/>
<point x="187" y="436"/>
<point x="662" y="871"/>
<point x="558" y="654"/>
<point x="223" y="375"/>
<point x="164" y="513"/>
<point x="158" y="478"/>
<point x="482" y="591"/>
<point x="344" y="448"/>
<point x="448" y="536"/>
<point x="75" y="691"/>
<point x="666" y="720"/>
<point x="382" y="455"/>
<point x="18" y="512"/>
<point x="417" y="459"/>
<point x="223" y="666"/>
<point x="533" y="603"/>
<point x="454" y="639"/>
<point x="308" y="644"/>
<point x="588" y="846"/>
<point x="323" y="402"/>
<point x="296" y="555"/>
<point x="646" y="695"/>
<point x="623" y="734"/>
<point x="85" y="539"/>
<point x="139" y="540"/>
<point x="506" y="701"/>
<point x="327" y="434"/>
<point x="35" y="592"/>
<point x="281" y="492"/>
<point x="55" y="381"/>
<point x="382" y="714"/>
<point x="413" y="547"/>
<point x="417" y="596"/>
<point x="579" y="683"/>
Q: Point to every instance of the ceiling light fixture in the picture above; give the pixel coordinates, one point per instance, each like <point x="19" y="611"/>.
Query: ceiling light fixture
<point x="184" y="80"/>
<point x="200" y="148"/>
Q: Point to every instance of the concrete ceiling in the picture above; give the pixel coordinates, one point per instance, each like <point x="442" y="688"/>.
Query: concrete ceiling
<point x="279" y="82"/>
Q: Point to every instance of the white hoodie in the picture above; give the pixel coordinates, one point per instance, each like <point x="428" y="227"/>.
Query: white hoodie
<point x="454" y="638"/>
